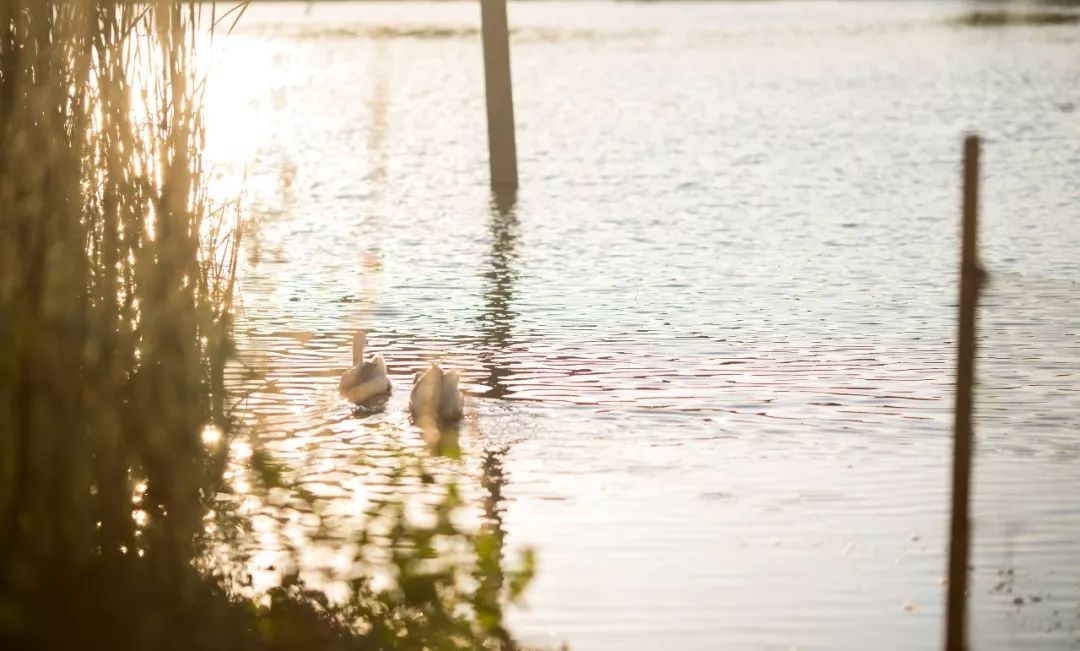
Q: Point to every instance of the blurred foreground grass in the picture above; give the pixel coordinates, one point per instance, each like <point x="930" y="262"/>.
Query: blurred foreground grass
<point x="116" y="290"/>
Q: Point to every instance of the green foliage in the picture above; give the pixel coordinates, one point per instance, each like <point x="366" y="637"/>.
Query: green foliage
<point x="443" y="586"/>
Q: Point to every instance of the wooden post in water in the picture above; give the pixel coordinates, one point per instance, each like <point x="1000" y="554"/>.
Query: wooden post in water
<point x="502" y="149"/>
<point x="970" y="278"/>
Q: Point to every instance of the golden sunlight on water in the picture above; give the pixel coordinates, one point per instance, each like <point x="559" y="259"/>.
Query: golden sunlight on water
<point x="238" y="76"/>
<point x="708" y="348"/>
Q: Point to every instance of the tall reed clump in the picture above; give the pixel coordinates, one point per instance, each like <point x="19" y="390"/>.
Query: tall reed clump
<point x="116" y="285"/>
<point x="115" y="288"/>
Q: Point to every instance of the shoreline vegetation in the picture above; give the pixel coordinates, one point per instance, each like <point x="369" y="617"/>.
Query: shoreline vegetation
<point x="1029" y="17"/>
<point x="117" y="282"/>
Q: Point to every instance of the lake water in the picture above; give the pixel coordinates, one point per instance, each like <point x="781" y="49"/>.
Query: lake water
<point x="709" y="348"/>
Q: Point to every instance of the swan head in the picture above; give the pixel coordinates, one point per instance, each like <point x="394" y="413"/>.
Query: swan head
<point x="359" y="341"/>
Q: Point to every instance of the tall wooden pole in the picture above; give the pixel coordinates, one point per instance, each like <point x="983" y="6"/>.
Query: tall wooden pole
<point x="502" y="149"/>
<point x="970" y="278"/>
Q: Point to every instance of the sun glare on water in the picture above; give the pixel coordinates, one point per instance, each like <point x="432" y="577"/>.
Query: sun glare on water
<point x="241" y="85"/>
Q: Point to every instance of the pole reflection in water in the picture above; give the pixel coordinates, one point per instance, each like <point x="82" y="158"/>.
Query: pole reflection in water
<point x="492" y="576"/>
<point x="496" y="333"/>
<point x="498" y="316"/>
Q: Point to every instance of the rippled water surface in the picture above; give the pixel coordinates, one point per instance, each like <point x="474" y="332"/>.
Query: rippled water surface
<point x="709" y="345"/>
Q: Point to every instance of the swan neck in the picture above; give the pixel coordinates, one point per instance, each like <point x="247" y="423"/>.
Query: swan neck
<point x="357" y="350"/>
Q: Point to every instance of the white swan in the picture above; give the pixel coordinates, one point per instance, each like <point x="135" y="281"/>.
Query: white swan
<point x="436" y="397"/>
<point x="365" y="381"/>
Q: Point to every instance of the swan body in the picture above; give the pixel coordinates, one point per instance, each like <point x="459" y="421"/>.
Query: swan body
<point x="365" y="381"/>
<point x="436" y="397"/>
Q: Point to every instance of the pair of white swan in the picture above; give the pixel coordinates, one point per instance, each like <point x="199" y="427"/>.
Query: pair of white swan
<point x="435" y="394"/>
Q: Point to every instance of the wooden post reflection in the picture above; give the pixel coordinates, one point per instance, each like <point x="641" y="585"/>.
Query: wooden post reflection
<point x="496" y="321"/>
<point x="970" y="277"/>
<point x="502" y="148"/>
